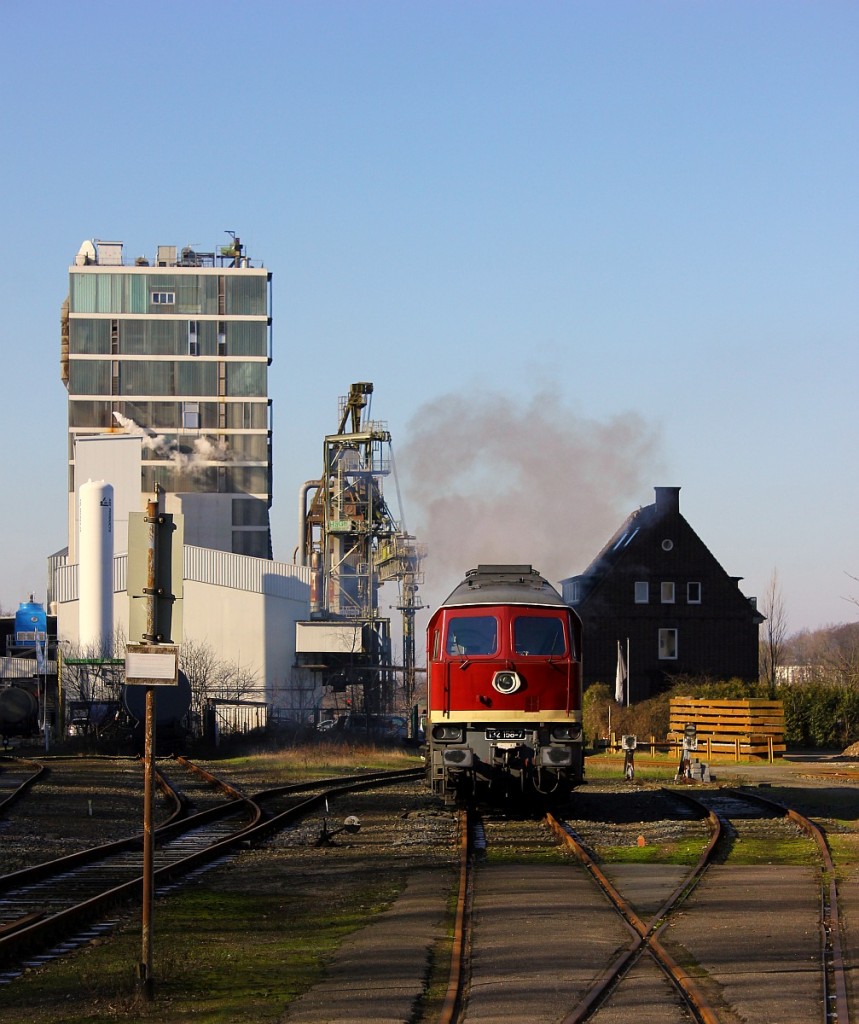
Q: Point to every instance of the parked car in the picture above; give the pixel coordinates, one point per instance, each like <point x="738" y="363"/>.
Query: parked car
<point x="391" y="727"/>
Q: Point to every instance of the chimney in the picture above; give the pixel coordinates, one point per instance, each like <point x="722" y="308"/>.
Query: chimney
<point x="667" y="499"/>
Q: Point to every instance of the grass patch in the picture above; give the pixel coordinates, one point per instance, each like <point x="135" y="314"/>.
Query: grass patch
<point x="648" y="767"/>
<point x="221" y="957"/>
<point x="797" y="850"/>
<point x="519" y="855"/>
<point x="685" y="852"/>
<point x="612" y="771"/>
<point x="844" y="847"/>
<point x="316" y="760"/>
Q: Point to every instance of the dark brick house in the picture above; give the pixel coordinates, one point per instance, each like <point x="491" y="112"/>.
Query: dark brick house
<point x="657" y="588"/>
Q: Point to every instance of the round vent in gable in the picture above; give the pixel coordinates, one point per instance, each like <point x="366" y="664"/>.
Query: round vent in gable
<point x="667" y="545"/>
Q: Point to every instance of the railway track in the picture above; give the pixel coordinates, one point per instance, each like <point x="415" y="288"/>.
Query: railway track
<point x="43" y="905"/>
<point x="17" y="775"/>
<point x="560" y="931"/>
<point x="75" y="804"/>
<point x="731" y="816"/>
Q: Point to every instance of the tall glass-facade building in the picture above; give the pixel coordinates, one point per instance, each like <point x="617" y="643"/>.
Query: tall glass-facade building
<point x="176" y="349"/>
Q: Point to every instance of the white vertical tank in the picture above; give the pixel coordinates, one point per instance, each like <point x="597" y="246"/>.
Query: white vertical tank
<point x="95" y="567"/>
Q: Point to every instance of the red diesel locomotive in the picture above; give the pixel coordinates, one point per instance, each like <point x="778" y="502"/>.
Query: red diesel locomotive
<point x="504" y="691"/>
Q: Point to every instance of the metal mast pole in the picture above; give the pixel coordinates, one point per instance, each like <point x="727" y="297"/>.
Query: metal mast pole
<point x="145" y="968"/>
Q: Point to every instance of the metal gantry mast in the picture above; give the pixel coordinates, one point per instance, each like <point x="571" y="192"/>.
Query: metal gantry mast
<point x="353" y="545"/>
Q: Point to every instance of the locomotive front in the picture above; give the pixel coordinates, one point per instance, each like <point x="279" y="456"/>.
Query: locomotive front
<point x="504" y="687"/>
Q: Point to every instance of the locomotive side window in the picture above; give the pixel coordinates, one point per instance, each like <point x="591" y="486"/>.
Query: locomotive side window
<point x="475" y="634"/>
<point x="436" y="644"/>
<point x="533" y="635"/>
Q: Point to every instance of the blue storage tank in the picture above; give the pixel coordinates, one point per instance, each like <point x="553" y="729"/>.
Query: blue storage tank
<point x="30" y="619"/>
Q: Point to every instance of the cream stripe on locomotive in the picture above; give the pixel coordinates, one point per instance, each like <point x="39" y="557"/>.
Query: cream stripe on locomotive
<point x="514" y="718"/>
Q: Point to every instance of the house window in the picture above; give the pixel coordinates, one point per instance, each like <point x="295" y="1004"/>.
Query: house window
<point x="572" y="594"/>
<point x="191" y="415"/>
<point x="193" y="338"/>
<point x="668" y="644"/>
<point x="693" y="593"/>
<point x="642" y="592"/>
<point x="163" y="298"/>
<point x="667" y="591"/>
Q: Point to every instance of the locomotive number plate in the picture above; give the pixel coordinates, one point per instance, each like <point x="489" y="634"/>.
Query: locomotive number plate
<point x="505" y="734"/>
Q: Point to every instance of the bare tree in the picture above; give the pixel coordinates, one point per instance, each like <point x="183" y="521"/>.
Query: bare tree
<point x="772" y="646"/>
<point x="201" y="666"/>
<point x="92" y="682"/>
<point x="237" y="682"/>
<point x="213" y="679"/>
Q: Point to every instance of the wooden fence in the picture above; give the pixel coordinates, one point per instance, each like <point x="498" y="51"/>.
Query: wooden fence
<point x="742" y="728"/>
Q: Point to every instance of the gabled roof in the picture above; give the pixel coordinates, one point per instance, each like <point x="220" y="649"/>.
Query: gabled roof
<point x="611" y="553"/>
<point x="642" y="518"/>
<point x="636" y="526"/>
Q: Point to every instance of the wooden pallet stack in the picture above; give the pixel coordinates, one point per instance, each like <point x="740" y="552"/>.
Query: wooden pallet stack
<point x="738" y="728"/>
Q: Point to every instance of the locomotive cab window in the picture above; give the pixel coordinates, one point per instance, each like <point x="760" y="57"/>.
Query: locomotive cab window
<point x="474" y="634"/>
<point x="538" y="635"/>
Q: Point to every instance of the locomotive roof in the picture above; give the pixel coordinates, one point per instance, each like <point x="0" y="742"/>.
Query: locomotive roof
<point x="504" y="584"/>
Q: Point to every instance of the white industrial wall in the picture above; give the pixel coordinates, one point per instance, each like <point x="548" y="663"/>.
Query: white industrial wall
<point x="244" y="608"/>
<point x="116" y="459"/>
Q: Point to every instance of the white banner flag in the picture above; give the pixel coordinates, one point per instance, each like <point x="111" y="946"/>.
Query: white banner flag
<point x="620" y="679"/>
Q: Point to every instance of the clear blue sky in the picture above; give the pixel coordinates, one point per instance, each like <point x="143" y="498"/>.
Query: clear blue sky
<point x="581" y="249"/>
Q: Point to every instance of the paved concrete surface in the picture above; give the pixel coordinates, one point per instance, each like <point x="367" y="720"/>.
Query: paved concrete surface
<point x="380" y="972"/>
<point x="542" y="933"/>
<point x="754" y="930"/>
<point x="818" y="770"/>
<point x="645" y="996"/>
<point x="760" y="943"/>
<point x="645" y="887"/>
<point x="848" y="907"/>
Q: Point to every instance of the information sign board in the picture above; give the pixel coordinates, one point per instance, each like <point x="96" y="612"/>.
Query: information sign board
<point x="151" y="665"/>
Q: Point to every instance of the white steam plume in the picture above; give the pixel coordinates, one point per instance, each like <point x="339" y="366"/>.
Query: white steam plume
<point x="204" y="449"/>
<point x="492" y="479"/>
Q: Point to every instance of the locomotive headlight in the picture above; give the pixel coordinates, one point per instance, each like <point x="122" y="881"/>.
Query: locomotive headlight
<point x="506" y="682"/>
<point x="568" y="731"/>
<point x="448" y="733"/>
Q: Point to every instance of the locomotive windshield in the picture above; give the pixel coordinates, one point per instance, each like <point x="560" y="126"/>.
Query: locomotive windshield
<point x="474" y="634"/>
<point x="532" y="635"/>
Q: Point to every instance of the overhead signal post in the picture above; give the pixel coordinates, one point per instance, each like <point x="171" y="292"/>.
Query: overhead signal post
<point x="155" y="592"/>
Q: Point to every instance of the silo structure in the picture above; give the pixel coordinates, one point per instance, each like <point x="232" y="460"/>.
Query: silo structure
<point x="95" y="567"/>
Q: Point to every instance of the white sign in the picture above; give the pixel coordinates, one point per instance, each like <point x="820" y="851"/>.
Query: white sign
<point x="151" y="665"/>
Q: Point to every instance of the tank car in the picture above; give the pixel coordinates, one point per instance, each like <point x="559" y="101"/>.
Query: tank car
<point x="19" y="710"/>
<point x="504" y="690"/>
